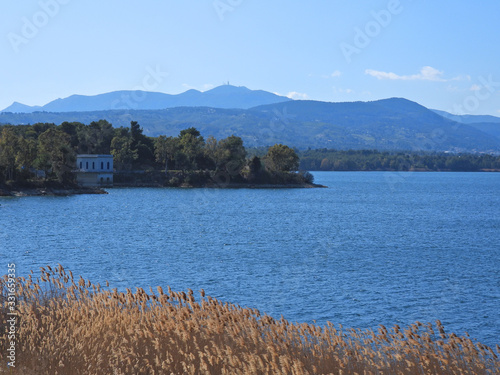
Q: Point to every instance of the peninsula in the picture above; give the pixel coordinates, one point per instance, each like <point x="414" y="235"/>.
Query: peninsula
<point x="41" y="159"/>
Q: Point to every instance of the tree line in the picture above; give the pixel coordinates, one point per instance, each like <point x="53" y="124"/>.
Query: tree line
<point x="47" y="151"/>
<point x="371" y="160"/>
<point x="27" y="150"/>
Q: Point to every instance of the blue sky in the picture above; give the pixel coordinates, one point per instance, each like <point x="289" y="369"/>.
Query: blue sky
<point x="442" y="54"/>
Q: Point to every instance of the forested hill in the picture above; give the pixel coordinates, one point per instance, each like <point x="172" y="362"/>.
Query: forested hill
<point x="486" y="124"/>
<point x="390" y="124"/>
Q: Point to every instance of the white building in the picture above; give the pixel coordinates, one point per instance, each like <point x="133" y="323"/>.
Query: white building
<point x="94" y="170"/>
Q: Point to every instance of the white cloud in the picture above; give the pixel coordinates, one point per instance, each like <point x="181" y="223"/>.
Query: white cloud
<point x="475" y="87"/>
<point x="335" y="74"/>
<point x="297" y="95"/>
<point x="340" y="90"/>
<point x="461" y="78"/>
<point x="427" y="73"/>
<point x="204" y="87"/>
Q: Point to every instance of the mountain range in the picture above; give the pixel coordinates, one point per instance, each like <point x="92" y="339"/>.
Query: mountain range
<point x="484" y="123"/>
<point x="225" y="96"/>
<point x="261" y="119"/>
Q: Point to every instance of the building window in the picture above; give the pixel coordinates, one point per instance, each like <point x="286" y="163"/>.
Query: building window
<point x="86" y="165"/>
<point x="102" y="165"/>
<point x="108" y="164"/>
<point x="93" y="165"/>
<point x="81" y="164"/>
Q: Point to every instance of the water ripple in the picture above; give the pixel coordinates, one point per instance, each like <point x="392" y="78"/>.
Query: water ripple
<point x="361" y="253"/>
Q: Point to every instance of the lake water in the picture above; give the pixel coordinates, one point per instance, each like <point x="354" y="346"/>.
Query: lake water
<point x="374" y="248"/>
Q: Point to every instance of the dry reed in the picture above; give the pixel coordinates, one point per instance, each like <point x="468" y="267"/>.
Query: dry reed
<point x="70" y="326"/>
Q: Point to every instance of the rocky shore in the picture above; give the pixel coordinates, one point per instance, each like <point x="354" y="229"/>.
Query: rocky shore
<point x="262" y="186"/>
<point x="32" y="192"/>
<point x="232" y="185"/>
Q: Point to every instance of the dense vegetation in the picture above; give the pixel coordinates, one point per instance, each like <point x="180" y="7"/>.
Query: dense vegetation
<point x="47" y="152"/>
<point x="391" y="124"/>
<point x="28" y="151"/>
<point x="369" y="160"/>
<point x="71" y="326"/>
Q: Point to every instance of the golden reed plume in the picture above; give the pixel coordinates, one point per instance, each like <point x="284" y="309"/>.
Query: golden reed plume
<point x="76" y="327"/>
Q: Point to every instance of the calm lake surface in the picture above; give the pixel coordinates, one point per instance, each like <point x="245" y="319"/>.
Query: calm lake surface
<point x="374" y="248"/>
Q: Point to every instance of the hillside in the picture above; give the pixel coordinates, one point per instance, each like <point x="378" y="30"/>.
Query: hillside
<point x="487" y="124"/>
<point x="469" y="119"/>
<point x="390" y="124"/>
<point x="394" y="123"/>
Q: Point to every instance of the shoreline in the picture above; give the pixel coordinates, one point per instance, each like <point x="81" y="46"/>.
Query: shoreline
<point x="40" y="190"/>
<point x="412" y="170"/>
<point x="62" y="192"/>
<point x="257" y="186"/>
<point x="47" y="191"/>
<point x="221" y="186"/>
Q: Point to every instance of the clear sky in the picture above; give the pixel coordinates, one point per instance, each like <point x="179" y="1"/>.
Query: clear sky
<point x="443" y="54"/>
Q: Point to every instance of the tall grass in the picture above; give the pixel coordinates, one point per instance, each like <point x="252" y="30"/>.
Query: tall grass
<point x="71" y="326"/>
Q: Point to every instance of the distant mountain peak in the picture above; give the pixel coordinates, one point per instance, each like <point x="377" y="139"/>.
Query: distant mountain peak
<point x="469" y="119"/>
<point x="225" y="96"/>
<point x="17" y="107"/>
<point x="228" y="87"/>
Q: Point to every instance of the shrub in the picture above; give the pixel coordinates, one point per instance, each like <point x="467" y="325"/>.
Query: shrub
<point x="307" y="177"/>
<point x="174" y="181"/>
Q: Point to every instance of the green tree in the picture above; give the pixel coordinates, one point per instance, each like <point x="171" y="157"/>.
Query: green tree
<point x="325" y="165"/>
<point x="8" y="152"/>
<point x="55" y="146"/>
<point x="191" y="146"/>
<point x="26" y="155"/>
<point x="210" y="151"/>
<point x="191" y="131"/>
<point x="141" y="144"/>
<point x="40" y="127"/>
<point x="74" y="129"/>
<point x="121" y="149"/>
<point x="253" y="170"/>
<point x="135" y="133"/>
<point x="230" y="155"/>
<point x="96" y="138"/>
<point x="281" y="158"/>
<point x="165" y="150"/>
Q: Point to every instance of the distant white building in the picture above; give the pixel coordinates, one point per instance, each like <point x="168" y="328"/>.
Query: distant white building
<point x="94" y="170"/>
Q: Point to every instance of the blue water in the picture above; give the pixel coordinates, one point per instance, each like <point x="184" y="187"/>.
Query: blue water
<point x="373" y="248"/>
